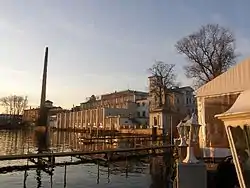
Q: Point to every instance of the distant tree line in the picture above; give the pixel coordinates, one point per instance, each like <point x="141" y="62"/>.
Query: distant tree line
<point x="14" y="104"/>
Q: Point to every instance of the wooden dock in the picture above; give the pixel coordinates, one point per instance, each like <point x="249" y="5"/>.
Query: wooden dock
<point x="102" y="158"/>
<point x="118" y="137"/>
<point x="79" y="153"/>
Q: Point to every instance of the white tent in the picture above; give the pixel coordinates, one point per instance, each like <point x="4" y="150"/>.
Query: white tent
<point x="236" y="79"/>
<point x="233" y="81"/>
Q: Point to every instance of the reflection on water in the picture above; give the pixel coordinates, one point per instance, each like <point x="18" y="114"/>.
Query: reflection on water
<point x="25" y="141"/>
<point x="149" y="172"/>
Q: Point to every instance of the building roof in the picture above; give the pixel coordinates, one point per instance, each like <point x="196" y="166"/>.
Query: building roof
<point x="125" y="92"/>
<point x="236" y="79"/>
<point x="181" y="89"/>
<point x="48" y="101"/>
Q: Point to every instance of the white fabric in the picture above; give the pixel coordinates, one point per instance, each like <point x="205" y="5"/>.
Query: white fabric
<point x="216" y="152"/>
<point x="236" y="79"/>
<point x="242" y="104"/>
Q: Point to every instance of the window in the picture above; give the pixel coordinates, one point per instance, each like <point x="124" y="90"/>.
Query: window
<point x="144" y="114"/>
<point x="155" y="121"/>
<point x="138" y="104"/>
<point x="143" y="104"/>
<point x="138" y="114"/>
<point x="186" y="100"/>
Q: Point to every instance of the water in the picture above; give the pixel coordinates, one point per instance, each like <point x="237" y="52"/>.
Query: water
<point x="149" y="172"/>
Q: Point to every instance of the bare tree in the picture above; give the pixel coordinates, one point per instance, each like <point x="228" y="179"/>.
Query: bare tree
<point x="210" y="52"/>
<point x="14" y="104"/>
<point x="163" y="78"/>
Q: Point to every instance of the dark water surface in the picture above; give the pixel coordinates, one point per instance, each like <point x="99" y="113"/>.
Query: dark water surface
<point x="149" y="172"/>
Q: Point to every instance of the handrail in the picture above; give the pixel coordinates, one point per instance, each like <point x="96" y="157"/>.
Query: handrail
<point x="75" y="153"/>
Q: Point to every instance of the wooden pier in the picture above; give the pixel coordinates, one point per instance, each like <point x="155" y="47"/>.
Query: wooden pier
<point x="46" y="161"/>
<point x="79" y="153"/>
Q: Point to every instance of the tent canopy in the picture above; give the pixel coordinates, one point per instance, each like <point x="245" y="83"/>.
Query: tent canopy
<point x="236" y="79"/>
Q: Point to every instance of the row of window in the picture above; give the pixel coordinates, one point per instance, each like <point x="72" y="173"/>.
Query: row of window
<point x="189" y="111"/>
<point x="189" y="101"/>
<point x="143" y="104"/>
<point x="143" y="114"/>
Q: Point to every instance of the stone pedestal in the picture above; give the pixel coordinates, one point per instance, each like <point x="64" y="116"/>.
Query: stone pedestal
<point x="191" y="175"/>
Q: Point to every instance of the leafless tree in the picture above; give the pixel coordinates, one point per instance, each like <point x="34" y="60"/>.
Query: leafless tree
<point x="210" y="52"/>
<point x="14" y="104"/>
<point x="163" y="78"/>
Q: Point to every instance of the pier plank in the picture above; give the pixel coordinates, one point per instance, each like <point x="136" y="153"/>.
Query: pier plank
<point x="78" y="153"/>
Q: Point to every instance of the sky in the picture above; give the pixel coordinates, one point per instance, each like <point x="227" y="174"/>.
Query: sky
<point x="99" y="46"/>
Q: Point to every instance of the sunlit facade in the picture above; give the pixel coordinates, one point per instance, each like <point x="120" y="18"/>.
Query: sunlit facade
<point x="31" y="115"/>
<point x="109" y="111"/>
<point x="173" y="106"/>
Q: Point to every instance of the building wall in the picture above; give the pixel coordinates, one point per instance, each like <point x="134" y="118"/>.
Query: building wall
<point x="176" y="104"/>
<point x="125" y="122"/>
<point x="91" y="118"/>
<point x="112" y="123"/>
<point x="118" y="122"/>
<point x="142" y="112"/>
<point x="165" y="120"/>
<point x="178" y="99"/>
<point x="31" y="115"/>
<point x="156" y="119"/>
<point x="121" y="99"/>
<point x="188" y="100"/>
<point x="107" y="117"/>
<point x="120" y="111"/>
<point x="142" y="108"/>
<point x="122" y="103"/>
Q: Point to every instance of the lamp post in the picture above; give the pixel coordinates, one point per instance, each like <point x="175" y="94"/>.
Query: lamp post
<point x="191" y="129"/>
<point x="181" y="128"/>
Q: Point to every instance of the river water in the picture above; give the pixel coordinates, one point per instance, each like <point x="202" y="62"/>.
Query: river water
<point x="149" y="172"/>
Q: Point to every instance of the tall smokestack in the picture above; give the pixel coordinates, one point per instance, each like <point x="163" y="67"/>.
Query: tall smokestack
<point x="44" y="82"/>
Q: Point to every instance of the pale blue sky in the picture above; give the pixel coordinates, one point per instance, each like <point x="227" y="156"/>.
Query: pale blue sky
<point x="99" y="46"/>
